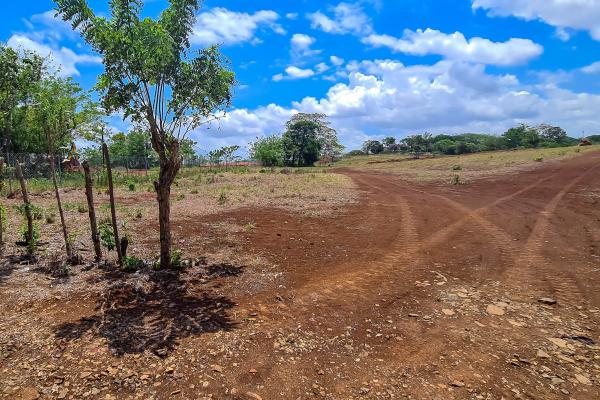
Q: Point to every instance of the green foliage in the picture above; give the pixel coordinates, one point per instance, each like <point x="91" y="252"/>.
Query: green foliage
<point x="176" y="256"/>
<point x="268" y="151"/>
<point x="3" y="217"/>
<point x="131" y="186"/>
<point x="355" y="153"/>
<point x="107" y="235"/>
<point x="521" y="136"/>
<point x="37" y="213"/>
<point x="418" y="144"/>
<point x="23" y="232"/>
<point x="330" y="147"/>
<point x="50" y="218"/>
<point x="222" y="198"/>
<point x="372" y="147"/>
<point x="132" y="264"/>
<point x="82" y="209"/>
<point x="301" y="146"/>
<point x="20" y="73"/>
<point x="249" y="226"/>
<point x="538" y="159"/>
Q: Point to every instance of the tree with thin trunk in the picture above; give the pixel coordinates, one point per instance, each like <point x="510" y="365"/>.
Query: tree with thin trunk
<point x="2" y="209"/>
<point x="89" y="194"/>
<point x="29" y="239"/>
<point x="113" y="206"/>
<point x="60" y="106"/>
<point x="153" y="77"/>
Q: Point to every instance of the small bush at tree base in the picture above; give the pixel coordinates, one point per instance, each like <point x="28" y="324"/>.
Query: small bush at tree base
<point x="107" y="236"/>
<point x="132" y="264"/>
<point x="176" y="259"/>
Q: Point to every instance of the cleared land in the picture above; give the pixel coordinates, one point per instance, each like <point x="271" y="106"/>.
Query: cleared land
<point x="380" y="288"/>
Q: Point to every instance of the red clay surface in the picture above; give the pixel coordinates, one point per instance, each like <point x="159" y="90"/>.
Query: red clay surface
<point x="418" y="291"/>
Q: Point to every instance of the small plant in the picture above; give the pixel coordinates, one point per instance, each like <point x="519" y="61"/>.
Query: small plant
<point x="138" y="214"/>
<point x="249" y="226"/>
<point x="212" y="179"/>
<point x="577" y="150"/>
<point x="35" y="236"/>
<point x="50" y="218"/>
<point x="82" y="209"/>
<point x="107" y="235"/>
<point x="222" y="198"/>
<point x="176" y="259"/>
<point x="539" y="159"/>
<point x="131" y="186"/>
<point x="456" y="168"/>
<point x="456" y="180"/>
<point x="132" y="263"/>
<point x="180" y="196"/>
<point x="3" y="216"/>
<point x="36" y="212"/>
<point x="194" y="191"/>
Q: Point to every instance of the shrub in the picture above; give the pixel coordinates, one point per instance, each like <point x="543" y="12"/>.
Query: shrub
<point x="23" y="230"/>
<point x="456" y="180"/>
<point x="176" y="259"/>
<point x="456" y="168"/>
<point x="107" y="235"/>
<point x="50" y="218"/>
<point x="132" y="263"/>
<point x="539" y="159"/>
<point x="82" y="209"/>
<point x="222" y="198"/>
<point x="131" y="186"/>
<point x="268" y="151"/>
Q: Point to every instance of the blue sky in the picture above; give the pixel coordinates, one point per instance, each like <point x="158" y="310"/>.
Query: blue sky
<point x="376" y="67"/>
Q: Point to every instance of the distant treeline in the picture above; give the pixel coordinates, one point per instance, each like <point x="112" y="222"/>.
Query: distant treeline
<point x="522" y="136"/>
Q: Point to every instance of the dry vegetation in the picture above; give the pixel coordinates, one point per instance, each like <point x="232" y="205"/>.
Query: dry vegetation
<point x="467" y="167"/>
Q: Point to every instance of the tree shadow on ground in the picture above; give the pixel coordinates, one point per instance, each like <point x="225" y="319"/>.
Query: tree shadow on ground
<point x="9" y="264"/>
<point x="152" y="311"/>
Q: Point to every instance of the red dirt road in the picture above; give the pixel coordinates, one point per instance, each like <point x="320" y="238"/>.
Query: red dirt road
<point x="419" y="291"/>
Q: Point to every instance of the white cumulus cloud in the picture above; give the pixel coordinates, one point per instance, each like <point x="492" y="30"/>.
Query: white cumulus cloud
<point x="220" y="25"/>
<point x="456" y="47"/>
<point x="62" y="59"/>
<point x="562" y="14"/>
<point x="346" y="18"/>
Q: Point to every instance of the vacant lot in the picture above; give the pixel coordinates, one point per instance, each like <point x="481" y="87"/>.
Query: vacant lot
<point x="367" y="283"/>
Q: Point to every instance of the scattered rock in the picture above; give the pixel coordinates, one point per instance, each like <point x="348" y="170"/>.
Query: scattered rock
<point x="217" y="368"/>
<point x="448" y="312"/>
<point x="252" y="395"/>
<point x="30" y="393"/>
<point x="542" y="354"/>
<point x="583" y="379"/>
<point x="495" y="310"/>
<point x="458" y="384"/>
<point x="559" y="342"/>
<point x="548" y="301"/>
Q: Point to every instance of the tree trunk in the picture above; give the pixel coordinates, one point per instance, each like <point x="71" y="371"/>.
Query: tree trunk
<point x="19" y="172"/>
<point x="1" y="207"/>
<point x="59" y="205"/>
<point x="113" y="210"/>
<point x="89" y="193"/>
<point x="168" y="171"/>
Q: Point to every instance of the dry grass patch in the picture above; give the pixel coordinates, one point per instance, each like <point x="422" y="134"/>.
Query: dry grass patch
<point x="467" y="167"/>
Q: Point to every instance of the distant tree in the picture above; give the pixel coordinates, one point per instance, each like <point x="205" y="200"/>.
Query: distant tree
<point x="150" y="75"/>
<point x="20" y="73"/>
<point x="389" y="141"/>
<point x="355" y="153"/>
<point x="228" y="154"/>
<point x="418" y="144"/>
<point x="326" y="135"/>
<point x="268" y="151"/>
<point x="445" y="146"/>
<point x="301" y="145"/>
<point x="372" y="147"/>
<point x="215" y="156"/>
<point x="552" y="133"/>
<point x="187" y="149"/>
<point x="521" y="136"/>
<point x="491" y="143"/>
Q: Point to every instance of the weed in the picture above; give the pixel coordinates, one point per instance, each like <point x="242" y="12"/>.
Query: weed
<point x="456" y="180"/>
<point x="249" y="226"/>
<point x="176" y="259"/>
<point x="82" y="209"/>
<point x="138" y="214"/>
<point x="36" y="212"/>
<point x="222" y="198"/>
<point x="23" y="231"/>
<point x="194" y="191"/>
<point x="456" y="168"/>
<point x="107" y="236"/>
<point x="132" y="263"/>
<point x="538" y="159"/>
<point x="180" y="197"/>
<point x="131" y="186"/>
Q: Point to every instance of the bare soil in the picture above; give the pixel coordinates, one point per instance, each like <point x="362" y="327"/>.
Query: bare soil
<point x="425" y="291"/>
